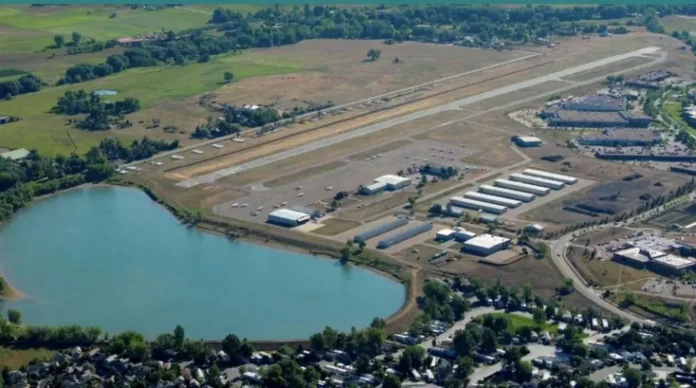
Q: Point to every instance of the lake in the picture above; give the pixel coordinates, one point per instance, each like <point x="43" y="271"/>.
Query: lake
<point x="113" y="258"/>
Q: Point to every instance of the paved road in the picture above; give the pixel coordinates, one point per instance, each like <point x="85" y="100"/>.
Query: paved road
<point x="336" y="107"/>
<point x="535" y="351"/>
<point x="454" y="105"/>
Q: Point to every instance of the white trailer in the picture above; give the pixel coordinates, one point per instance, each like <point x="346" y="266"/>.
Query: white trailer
<point x="507" y="202"/>
<point x="532" y="180"/>
<point x="429" y="376"/>
<point x="477" y="205"/>
<point x="507" y="193"/>
<point x="416" y="376"/>
<point x="569" y="180"/>
<point x="519" y="186"/>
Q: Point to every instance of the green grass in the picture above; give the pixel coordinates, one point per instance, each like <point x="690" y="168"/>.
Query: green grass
<point x="518" y="321"/>
<point x="32" y="29"/>
<point x="673" y="109"/>
<point x="47" y="132"/>
<point x="676" y="23"/>
<point x="15" y="358"/>
<point x="11" y="72"/>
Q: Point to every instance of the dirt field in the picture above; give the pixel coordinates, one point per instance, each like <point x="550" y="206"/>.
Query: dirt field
<point x="608" y="69"/>
<point x="380" y="149"/>
<point x="605" y="272"/>
<point x="334" y="226"/>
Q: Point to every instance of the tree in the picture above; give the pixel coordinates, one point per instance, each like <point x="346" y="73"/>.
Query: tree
<point x="391" y="381"/>
<point x="633" y="377"/>
<point x="179" y="337"/>
<point x="345" y="254"/>
<point x="59" y="40"/>
<point x="229" y="76"/>
<point x="465" y="367"/>
<point x="373" y="54"/>
<point x="362" y="245"/>
<point x="231" y="345"/>
<point x="14" y="316"/>
<point x="539" y="316"/>
<point x="76" y="38"/>
<point x="317" y="342"/>
<point x="464" y="343"/>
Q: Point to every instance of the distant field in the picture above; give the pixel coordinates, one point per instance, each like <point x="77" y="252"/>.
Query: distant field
<point x="15" y="358"/>
<point x="334" y="226"/>
<point x="678" y="23"/>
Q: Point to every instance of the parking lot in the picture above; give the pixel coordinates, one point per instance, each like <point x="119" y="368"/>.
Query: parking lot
<point x="320" y="189"/>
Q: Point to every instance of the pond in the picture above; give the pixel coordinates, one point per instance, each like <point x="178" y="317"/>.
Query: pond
<point x="111" y="257"/>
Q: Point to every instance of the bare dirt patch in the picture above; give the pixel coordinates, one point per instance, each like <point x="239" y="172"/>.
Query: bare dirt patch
<point x="306" y="173"/>
<point x="334" y="226"/>
<point x="390" y="201"/>
<point x="608" y="69"/>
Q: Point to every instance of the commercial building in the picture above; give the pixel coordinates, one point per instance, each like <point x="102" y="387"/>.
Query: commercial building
<point x="595" y="103"/>
<point x="620" y="138"/>
<point x="287" y="217"/>
<point x="386" y="182"/>
<point x="507" y="193"/>
<point x="631" y="257"/>
<point x="477" y="205"/>
<point x="532" y="180"/>
<point x="527" y="141"/>
<point x="651" y="80"/>
<point x="581" y="119"/>
<point x="569" y="180"/>
<point x="485" y="244"/>
<point x="17" y="154"/>
<point x="671" y="264"/>
<point x="462" y="234"/>
<point x="507" y="202"/>
<point x="445" y="235"/>
<point x="519" y="186"/>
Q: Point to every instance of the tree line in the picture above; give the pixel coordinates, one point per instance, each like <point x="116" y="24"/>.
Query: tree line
<point x="27" y="83"/>
<point x="38" y="175"/>
<point x="101" y="115"/>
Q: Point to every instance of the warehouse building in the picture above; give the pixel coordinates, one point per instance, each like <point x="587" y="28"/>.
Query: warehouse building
<point x="631" y="257"/>
<point x="595" y="103"/>
<point x="386" y="182"/>
<point x="507" y="202"/>
<point x="671" y="265"/>
<point x="569" y="180"/>
<point x="445" y="235"/>
<point x="507" y="193"/>
<point x="527" y="141"/>
<point x="519" y="186"/>
<point x="477" y="205"/>
<point x="568" y="118"/>
<point x="485" y="244"/>
<point x="373" y="188"/>
<point x="381" y="229"/>
<point x="461" y="234"/>
<point x="651" y="80"/>
<point x="620" y="138"/>
<point x="287" y="217"/>
<point x="532" y="180"/>
<point x="637" y="119"/>
<point x="405" y="235"/>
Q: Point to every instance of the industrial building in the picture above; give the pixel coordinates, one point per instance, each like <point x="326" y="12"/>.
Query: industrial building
<point x="461" y="234"/>
<point x="477" y="205"/>
<point x="507" y="202"/>
<point x="485" y="244"/>
<point x="519" y="186"/>
<point x="445" y="235"/>
<point x="654" y="260"/>
<point x="405" y="235"/>
<point x="580" y="119"/>
<point x="527" y="141"/>
<point x="671" y="264"/>
<point x="620" y="138"/>
<point x="569" y="180"/>
<point x="631" y="257"/>
<point x="651" y="80"/>
<point x="532" y="180"/>
<point x="507" y="193"/>
<point x="595" y="103"/>
<point x="386" y="182"/>
<point x="381" y="229"/>
<point x="287" y="217"/>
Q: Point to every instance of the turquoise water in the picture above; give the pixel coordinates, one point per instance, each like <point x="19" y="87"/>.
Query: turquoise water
<point x="111" y="257"/>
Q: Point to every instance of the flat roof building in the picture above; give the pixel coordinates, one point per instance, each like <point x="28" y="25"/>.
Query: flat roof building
<point x="477" y="205"/>
<point x="527" y="141"/>
<point x="507" y="193"/>
<point x="519" y="186"/>
<point x="569" y="180"/>
<point x="533" y="180"/>
<point x="485" y="244"/>
<point x="619" y="138"/>
<point x="373" y="188"/>
<point x="462" y="234"/>
<point x="287" y="217"/>
<point x="596" y="103"/>
<point x="672" y="264"/>
<point x="507" y="202"/>
<point x="445" y="235"/>
<point x="385" y="182"/>
<point x="569" y="118"/>
<point x="631" y="257"/>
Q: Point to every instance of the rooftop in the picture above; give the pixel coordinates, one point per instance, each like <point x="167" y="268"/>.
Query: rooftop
<point x="675" y="261"/>
<point x="607" y="117"/>
<point x="445" y="232"/>
<point x="486" y="241"/>
<point x="289" y="214"/>
<point x="391" y="179"/>
<point x="598" y="100"/>
<point x="633" y="254"/>
<point x="625" y="134"/>
<point x="528" y="139"/>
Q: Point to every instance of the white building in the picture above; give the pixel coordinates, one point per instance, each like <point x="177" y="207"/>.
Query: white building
<point x="477" y="205"/>
<point x="527" y="141"/>
<point x="532" y="180"/>
<point x="507" y="193"/>
<point x="287" y="217"/>
<point x="569" y="180"/>
<point x="462" y="234"/>
<point x="444" y="235"/>
<point x="386" y="182"/>
<point x="373" y="188"/>
<point x="519" y="186"/>
<point x="507" y="202"/>
<point x="485" y="244"/>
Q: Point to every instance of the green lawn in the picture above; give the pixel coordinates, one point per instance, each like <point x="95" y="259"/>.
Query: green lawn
<point x="673" y="109"/>
<point x="15" y="358"/>
<point x="47" y="132"/>
<point x="519" y="321"/>
<point x="677" y="23"/>
<point x="30" y="29"/>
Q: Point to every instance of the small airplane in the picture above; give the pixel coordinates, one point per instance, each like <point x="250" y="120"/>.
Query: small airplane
<point x="259" y="208"/>
<point x="244" y="205"/>
<point x="236" y="204"/>
<point x="329" y="188"/>
<point x="300" y="195"/>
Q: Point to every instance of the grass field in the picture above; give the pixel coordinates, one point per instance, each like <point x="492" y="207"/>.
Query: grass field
<point x="517" y="322"/>
<point x="673" y="109"/>
<point x="306" y="173"/>
<point x="678" y="23"/>
<point x="14" y="358"/>
<point x="334" y="226"/>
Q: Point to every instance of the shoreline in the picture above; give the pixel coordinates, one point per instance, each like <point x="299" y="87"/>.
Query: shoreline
<point x="251" y="234"/>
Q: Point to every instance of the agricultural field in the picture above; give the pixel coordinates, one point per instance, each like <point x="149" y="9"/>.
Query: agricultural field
<point x="13" y="358"/>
